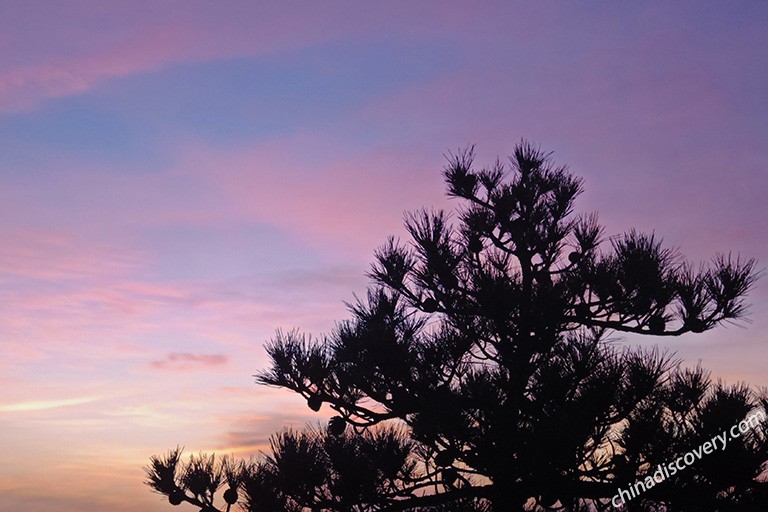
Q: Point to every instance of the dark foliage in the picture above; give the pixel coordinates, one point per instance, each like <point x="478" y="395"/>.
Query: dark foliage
<point x="479" y="373"/>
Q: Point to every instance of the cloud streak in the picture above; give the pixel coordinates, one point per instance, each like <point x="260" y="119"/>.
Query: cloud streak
<point x="186" y="362"/>
<point x="44" y="405"/>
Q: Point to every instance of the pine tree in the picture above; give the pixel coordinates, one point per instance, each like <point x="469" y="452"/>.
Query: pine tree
<point x="482" y="373"/>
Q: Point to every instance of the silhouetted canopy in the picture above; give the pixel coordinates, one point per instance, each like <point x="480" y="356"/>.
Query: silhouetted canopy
<point x="481" y="372"/>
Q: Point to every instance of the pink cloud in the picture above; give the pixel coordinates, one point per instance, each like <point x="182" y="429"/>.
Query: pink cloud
<point x="55" y="255"/>
<point x="23" y="86"/>
<point x="342" y="204"/>
<point x="186" y="362"/>
<point x="247" y="433"/>
<point x="63" y="58"/>
<point x="92" y="300"/>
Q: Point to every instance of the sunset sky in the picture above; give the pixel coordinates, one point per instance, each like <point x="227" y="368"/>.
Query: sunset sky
<point x="180" y="179"/>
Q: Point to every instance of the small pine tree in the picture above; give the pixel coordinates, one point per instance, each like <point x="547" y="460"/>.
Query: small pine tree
<point x="479" y="373"/>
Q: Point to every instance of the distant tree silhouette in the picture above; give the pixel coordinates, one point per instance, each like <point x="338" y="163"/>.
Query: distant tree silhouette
<point x="479" y="374"/>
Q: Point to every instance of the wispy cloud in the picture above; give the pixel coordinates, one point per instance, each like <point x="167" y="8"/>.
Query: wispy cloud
<point x="186" y="362"/>
<point x="347" y="204"/>
<point x="73" y="61"/>
<point x="42" y="405"/>
<point x="249" y="434"/>
<point x="24" y="86"/>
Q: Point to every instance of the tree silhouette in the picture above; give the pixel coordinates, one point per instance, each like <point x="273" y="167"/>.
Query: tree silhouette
<point x="480" y="374"/>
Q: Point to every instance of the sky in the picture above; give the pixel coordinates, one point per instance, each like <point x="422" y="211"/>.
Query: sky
<point x="180" y="179"/>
